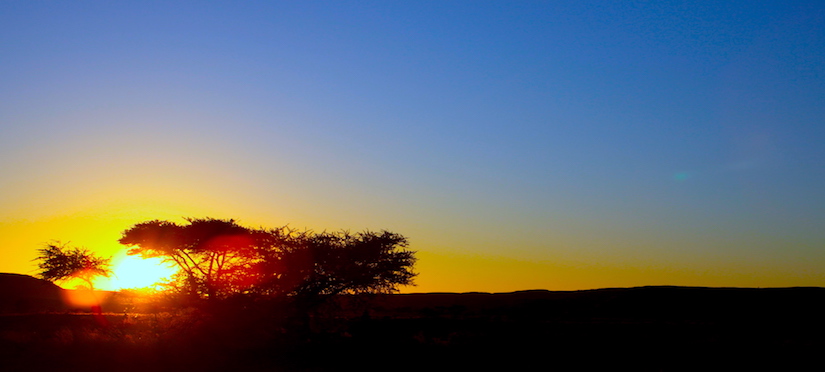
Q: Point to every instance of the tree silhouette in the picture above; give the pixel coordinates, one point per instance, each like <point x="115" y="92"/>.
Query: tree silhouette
<point x="312" y="267"/>
<point x="59" y="262"/>
<point x="213" y="255"/>
<point x="219" y="259"/>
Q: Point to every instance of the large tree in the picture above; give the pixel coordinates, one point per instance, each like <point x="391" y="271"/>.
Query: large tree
<point x="60" y="262"/>
<point x="213" y="255"/>
<point x="219" y="259"/>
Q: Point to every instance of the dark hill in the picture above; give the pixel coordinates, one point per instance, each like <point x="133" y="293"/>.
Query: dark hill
<point x="24" y="294"/>
<point x="644" y="328"/>
<point x="637" y="304"/>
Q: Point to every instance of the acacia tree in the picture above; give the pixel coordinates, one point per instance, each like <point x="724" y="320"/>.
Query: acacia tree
<point x="312" y="267"/>
<point x="219" y="259"/>
<point x="58" y="262"/>
<point x="213" y="255"/>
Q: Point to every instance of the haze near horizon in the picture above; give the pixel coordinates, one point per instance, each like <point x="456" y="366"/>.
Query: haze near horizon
<point x="552" y="145"/>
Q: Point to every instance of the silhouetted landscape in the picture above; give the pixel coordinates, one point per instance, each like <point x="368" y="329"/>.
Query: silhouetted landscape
<point x="644" y="328"/>
<point x="631" y="185"/>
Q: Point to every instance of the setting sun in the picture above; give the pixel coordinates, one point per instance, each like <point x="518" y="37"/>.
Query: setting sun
<point x="135" y="272"/>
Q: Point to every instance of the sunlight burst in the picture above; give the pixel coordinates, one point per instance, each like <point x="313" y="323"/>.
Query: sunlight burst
<point x="136" y="272"/>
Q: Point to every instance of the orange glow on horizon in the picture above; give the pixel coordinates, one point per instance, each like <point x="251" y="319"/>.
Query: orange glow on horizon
<point x="84" y="298"/>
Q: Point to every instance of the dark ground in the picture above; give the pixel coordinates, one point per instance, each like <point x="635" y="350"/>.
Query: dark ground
<point x="647" y="328"/>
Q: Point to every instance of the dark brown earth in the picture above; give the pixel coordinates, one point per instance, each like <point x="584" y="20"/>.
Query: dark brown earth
<point x="646" y="328"/>
<point x="24" y="294"/>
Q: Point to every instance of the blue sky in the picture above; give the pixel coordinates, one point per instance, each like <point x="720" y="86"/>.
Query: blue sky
<point x="588" y="144"/>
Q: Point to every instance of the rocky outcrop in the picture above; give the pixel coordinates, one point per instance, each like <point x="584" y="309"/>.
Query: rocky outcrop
<point x="26" y="294"/>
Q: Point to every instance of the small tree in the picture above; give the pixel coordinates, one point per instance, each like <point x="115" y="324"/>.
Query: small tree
<point x="58" y="262"/>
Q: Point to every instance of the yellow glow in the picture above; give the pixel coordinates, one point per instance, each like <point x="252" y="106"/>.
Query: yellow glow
<point x="135" y="272"/>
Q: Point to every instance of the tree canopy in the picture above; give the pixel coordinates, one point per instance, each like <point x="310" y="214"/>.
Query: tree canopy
<point x="219" y="258"/>
<point x="58" y="262"/>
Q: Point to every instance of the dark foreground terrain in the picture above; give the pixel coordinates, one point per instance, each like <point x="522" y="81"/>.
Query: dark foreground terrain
<point x="647" y="328"/>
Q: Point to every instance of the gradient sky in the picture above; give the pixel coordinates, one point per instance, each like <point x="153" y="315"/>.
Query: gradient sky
<point x="519" y="145"/>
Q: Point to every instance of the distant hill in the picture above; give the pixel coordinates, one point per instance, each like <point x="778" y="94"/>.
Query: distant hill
<point x="642" y="328"/>
<point x="638" y="303"/>
<point x="24" y="294"/>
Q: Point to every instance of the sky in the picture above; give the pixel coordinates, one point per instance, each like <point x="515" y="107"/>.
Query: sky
<point x="558" y="145"/>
